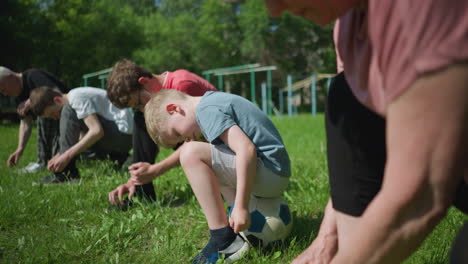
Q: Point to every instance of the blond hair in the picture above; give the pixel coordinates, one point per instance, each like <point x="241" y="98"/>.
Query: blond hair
<point x="156" y="115"/>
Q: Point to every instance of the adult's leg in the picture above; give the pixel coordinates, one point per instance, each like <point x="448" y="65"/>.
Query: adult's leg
<point x="47" y="139"/>
<point x="144" y="150"/>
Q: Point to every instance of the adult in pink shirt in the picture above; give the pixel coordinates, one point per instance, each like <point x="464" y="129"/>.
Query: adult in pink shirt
<point x="130" y="85"/>
<point x="405" y="62"/>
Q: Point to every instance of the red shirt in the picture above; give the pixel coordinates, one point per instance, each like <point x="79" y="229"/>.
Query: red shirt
<point x="386" y="48"/>
<point x="187" y="82"/>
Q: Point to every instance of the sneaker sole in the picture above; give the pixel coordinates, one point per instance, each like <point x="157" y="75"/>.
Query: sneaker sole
<point x="239" y="254"/>
<point x="73" y="181"/>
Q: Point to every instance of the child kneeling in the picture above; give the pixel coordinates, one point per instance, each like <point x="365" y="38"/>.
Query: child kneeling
<point x="245" y="156"/>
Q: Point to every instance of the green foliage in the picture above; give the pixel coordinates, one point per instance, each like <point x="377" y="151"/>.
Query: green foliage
<point x="92" y="35"/>
<point x="254" y="25"/>
<point x="195" y="40"/>
<point x="23" y="28"/>
<point x="70" y="38"/>
<point x="69" y="223"/>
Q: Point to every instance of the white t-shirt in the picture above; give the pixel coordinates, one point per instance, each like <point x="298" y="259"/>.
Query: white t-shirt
<point x="89" y="100"/>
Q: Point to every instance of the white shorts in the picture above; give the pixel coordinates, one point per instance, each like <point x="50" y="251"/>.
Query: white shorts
<point x="267" y="184"/>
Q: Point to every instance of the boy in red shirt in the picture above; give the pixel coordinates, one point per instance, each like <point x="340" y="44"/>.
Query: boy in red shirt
<point x="130" y="85"/>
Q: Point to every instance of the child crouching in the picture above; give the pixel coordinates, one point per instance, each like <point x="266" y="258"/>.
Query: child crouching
<point x="245" y="156"/>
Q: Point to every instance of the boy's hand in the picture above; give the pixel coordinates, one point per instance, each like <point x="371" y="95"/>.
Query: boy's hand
<point x="240" y="219"/>
<point x="122" y="189"/>
<point x="141" y="173"/>
<point x="58" y="163"/>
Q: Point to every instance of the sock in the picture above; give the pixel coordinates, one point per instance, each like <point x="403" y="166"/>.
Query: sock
<point x="224" y="235"/>
<point x="220" y="239"/>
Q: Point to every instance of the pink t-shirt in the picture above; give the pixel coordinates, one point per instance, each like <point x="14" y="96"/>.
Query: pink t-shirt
<point x="385" y="49"/>
<point x="187" y="82"/>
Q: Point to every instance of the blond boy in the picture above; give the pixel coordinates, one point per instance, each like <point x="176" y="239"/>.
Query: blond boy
<point x="245" y="156"/>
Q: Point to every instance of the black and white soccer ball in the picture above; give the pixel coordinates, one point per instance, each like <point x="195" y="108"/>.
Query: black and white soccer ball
<point x="270" y="221"/>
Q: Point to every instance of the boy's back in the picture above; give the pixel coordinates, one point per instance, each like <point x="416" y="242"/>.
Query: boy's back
<point x="89" y="100"/>
<point x="218" y="111"/>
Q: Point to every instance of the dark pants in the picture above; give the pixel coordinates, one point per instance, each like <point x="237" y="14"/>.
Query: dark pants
<point x="47" y="139"/>
<point x="356" y="154"/>
<point x="356" y="149"/>
<point x="114" y="143"/>
<point x="144" y="150"/>
<point x="459" y="252"/>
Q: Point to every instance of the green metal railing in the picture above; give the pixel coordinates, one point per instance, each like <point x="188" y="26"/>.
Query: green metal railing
<point x="101" y="75"/>
<point x="247" y="68"/>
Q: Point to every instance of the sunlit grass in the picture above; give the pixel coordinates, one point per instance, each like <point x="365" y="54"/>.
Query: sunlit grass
<point x="69" y="223"/>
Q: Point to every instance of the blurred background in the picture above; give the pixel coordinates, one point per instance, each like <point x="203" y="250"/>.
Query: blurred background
<point x="70" y="38"/>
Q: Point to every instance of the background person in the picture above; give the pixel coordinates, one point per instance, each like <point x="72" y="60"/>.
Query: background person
<point x="20" y="85"/>
<point x="83" y="110"/>
<point x="406" y="62"/>
<point x="130" y="85"/>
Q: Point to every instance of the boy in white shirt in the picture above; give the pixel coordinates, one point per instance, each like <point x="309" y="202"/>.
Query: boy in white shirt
<point x="84" y="109"/>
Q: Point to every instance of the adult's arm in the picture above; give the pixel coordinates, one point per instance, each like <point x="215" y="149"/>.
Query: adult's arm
<point x="427" y="133"/>
<point x="23" y="138"/>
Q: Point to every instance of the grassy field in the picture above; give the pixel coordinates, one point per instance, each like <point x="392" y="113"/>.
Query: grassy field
<point x="70" y="224"/>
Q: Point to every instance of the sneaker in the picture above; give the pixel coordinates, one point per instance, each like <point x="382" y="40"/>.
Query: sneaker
<point x="235" y="251"/>
<point x="60" y="177"/>
<point x="32" y="167"/>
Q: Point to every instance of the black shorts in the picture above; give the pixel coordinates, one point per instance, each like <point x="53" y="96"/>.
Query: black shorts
<point x="356" y="152"/>
<point x="356" y="149"/>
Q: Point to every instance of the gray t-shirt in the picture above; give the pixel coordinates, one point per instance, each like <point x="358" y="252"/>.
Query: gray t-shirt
<point x="89" y="100"/>
<point x="218" y="111"/>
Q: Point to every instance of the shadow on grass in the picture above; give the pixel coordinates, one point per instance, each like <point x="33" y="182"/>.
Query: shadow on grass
<point x="304" y="231"/>
<point x="174" y="200"/>
<point x="306" y="227"/>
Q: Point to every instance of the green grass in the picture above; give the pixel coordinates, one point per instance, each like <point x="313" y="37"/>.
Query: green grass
<point x="69" y="223"/>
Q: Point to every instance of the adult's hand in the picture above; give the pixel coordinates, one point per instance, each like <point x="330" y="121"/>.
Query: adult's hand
<point x="325" y="245"/>
<point x="321" y="251"/>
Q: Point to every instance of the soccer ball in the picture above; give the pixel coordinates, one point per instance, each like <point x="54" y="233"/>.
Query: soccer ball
<point x="270" y="221"/>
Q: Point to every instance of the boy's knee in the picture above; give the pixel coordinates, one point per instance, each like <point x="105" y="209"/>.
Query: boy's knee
<point x="193" y="152"/>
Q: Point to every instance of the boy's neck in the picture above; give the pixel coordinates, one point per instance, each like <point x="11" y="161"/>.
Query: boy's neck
<point x="193" y="101"/>
<point x="64" y="99"/>
<point x="161" y="78"/>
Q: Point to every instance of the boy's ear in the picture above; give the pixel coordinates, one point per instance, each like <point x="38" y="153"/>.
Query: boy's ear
<point x="171" y="108"/>
<point x="58" y="99"/>
<point x="142" y="80"/>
